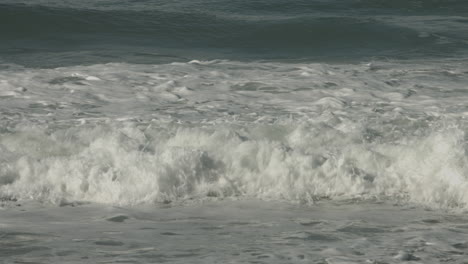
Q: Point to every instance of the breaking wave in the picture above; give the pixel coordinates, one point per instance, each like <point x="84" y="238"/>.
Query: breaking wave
<point x="130" y="163"/>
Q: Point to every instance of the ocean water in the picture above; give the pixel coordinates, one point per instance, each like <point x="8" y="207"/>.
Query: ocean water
<point x="214" y="131"/>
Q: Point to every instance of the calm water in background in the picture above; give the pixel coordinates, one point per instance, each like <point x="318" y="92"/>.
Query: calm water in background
<point x="233" y="131"/>
<point x="59" y="32"/>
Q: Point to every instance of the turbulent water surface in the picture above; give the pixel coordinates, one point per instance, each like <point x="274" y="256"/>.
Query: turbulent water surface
<point x="216" y="131"/>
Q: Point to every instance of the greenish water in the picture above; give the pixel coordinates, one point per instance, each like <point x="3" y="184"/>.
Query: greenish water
<point x="54" y="33"/>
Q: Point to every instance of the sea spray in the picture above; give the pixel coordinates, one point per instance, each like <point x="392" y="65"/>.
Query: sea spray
<point x="127" y="163"/>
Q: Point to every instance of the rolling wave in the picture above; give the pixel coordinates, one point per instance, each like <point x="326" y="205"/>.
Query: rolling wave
<point x="210" y="34"/>
<point x="132" y="163"/>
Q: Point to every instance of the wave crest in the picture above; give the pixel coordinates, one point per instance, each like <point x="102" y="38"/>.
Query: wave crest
<point x="130" y="163"/>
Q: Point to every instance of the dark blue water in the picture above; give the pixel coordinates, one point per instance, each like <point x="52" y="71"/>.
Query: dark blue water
<point x="55" y="33"/>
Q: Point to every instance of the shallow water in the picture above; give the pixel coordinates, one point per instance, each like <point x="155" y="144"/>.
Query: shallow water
<point x="233" y="232"/>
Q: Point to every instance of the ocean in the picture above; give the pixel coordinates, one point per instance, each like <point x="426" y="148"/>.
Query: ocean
<point x="215" y="131"/>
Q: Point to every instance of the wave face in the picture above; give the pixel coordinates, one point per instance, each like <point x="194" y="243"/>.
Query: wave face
<point x="58" y="33"/>
<point x="135" y="134"/>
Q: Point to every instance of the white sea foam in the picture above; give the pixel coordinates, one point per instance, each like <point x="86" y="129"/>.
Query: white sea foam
<point x="129" y="164"/>
<point x="132" y="134"/>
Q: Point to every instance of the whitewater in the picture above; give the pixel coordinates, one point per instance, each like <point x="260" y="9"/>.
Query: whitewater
<point x="130" y="134"/>
<point x="298" y="154"/>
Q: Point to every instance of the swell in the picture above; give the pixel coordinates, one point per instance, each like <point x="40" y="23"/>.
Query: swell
<point x="452" y="6"/>
<point x="214" y="35"/>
